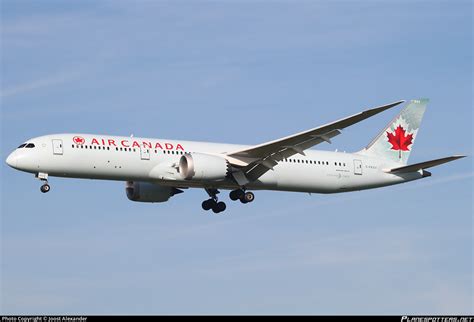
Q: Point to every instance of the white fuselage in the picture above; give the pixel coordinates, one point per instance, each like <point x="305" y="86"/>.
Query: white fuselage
<point x="156" y="160"/>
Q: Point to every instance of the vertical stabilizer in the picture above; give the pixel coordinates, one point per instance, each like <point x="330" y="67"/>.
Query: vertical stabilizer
<point x="396" y="141"/>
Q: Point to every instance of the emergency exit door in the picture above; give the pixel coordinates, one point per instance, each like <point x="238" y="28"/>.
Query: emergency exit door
<point x="57" y="147"/>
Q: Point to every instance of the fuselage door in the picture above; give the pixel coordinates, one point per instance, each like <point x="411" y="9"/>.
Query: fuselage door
<point x="358" y="167"/>
<point x="144" y="153"/>
<point x="57" y="147"/>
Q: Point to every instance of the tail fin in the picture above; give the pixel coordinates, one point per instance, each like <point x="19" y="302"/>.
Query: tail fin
<point x="396" y="141"/>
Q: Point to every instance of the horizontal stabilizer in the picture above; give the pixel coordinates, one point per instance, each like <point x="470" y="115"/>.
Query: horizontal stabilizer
<point x="424" y="165"/>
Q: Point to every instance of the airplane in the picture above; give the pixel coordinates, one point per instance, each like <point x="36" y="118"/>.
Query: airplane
<point x="155" y="170"/>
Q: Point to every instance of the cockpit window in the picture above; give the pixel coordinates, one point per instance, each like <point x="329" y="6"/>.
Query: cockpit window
<point x="22" y="146"/>
<point x="30" y="145"/>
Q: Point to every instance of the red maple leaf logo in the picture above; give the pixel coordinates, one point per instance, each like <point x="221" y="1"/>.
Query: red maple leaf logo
<point x="400" y="140"/>
<point x="78" y="140"/>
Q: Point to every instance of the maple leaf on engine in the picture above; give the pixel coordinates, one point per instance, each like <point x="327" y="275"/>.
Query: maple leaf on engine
<point x="399" y="139"/>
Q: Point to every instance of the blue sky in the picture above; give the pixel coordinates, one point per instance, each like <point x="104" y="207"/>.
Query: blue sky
<point x="238" y="72"/>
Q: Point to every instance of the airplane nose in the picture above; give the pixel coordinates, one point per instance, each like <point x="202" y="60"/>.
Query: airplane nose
<point x="12" y="159"/>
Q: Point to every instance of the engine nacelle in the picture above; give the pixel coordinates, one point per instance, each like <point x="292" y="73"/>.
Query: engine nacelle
<point x="149" y="192"/>
<point x="200" y="166"/>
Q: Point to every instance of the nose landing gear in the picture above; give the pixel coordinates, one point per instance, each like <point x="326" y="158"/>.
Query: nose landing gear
<point x="44" y="177"/>
<point x="45" y="188"/>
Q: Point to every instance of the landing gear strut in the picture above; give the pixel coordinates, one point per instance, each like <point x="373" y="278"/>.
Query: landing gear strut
<point x="44" y="177"/>
<point x="213" y="203"/>
<point x="240" y="194"/>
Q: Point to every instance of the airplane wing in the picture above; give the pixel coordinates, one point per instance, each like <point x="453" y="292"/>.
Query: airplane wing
<point x="423" y="165"/>
<point x="257" y="160"/>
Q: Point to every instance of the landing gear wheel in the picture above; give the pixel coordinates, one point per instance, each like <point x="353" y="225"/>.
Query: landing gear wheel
<point x="45" y="188"/>
<point x="247" y="197"/>
<point x="213" y="203"/>
<point x="219" y="207"/>
<point x="208" y="204"/>
<point x="236" y="194"/>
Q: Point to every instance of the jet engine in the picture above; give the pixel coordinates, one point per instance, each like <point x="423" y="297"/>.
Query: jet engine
<point x="149" y="192"/>
<point x="200" y="166"/>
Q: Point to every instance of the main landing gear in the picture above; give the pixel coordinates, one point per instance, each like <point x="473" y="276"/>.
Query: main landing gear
<point x="240" y="194"/>
<point x="213" y="203"/>
<point x="218" y="206"/>
<point x="44" y="177"/>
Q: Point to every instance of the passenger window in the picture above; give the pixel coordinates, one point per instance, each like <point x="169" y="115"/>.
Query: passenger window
<point x="108" y="148"/>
